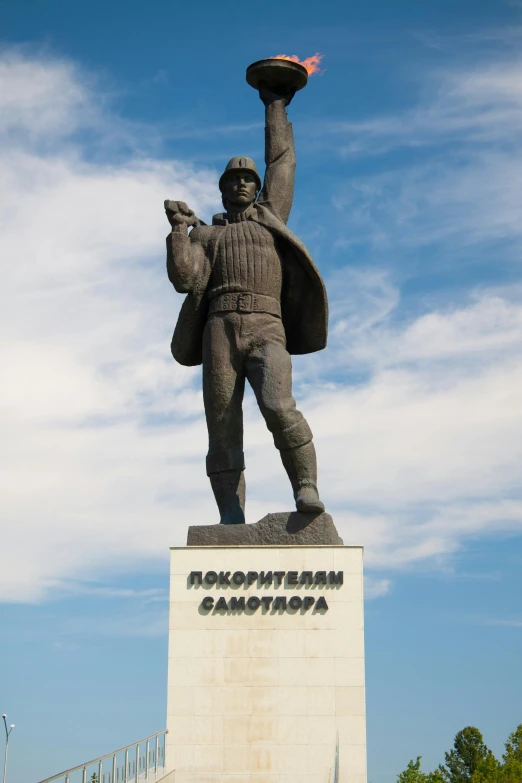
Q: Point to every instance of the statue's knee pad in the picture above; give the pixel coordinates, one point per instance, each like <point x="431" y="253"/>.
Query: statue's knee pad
<point x="293" y="436"/>
<point x="225" y="459"/>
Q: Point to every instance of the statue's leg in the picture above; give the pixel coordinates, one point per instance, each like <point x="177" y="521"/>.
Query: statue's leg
<point x="301" y="466"/>
<point x="223" y="389"/>
<point x="269" y="371"/>
<point x="228" y="487"/>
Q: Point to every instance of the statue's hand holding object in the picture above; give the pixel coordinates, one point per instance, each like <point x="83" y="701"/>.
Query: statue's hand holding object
<point x="178" y="214"/>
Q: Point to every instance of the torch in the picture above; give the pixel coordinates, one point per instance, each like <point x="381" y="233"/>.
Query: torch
<point x="282" y="73"/>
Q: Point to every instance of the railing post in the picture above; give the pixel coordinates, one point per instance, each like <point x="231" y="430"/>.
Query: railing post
<point x="131" y="770"/>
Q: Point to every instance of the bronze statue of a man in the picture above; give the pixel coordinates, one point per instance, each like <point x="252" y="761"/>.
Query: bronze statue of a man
<point x="254" y="297"/>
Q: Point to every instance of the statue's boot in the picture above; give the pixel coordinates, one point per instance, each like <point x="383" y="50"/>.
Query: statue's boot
<point x="229" y="490"/>
<point x="301" y="465"/>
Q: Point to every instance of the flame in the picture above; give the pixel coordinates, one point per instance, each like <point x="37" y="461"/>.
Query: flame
<point x="311" y="63"/>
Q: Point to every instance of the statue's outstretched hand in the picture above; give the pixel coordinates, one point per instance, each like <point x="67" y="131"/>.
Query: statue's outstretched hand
<point x="270" y="94"/>
<point x="178" y="214"/>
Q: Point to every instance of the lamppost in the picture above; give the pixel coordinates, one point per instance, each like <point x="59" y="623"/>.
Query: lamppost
<point x="7" y="733"/>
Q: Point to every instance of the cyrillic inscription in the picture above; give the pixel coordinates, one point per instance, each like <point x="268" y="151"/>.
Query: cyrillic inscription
<point x="267" y="603"/>
<point x="275" y="578"/>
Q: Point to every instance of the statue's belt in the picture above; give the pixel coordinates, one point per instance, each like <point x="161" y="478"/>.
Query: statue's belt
<point x="245" y="303"/>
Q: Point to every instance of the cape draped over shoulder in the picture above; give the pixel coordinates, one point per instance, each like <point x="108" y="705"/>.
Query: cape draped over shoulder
<point x="304" y="303"/>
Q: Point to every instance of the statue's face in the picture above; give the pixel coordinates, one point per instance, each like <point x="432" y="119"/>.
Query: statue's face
<point x="239" y="190"/>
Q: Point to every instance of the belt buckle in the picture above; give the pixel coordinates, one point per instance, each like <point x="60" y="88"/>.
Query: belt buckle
<point x="246" y="303"/>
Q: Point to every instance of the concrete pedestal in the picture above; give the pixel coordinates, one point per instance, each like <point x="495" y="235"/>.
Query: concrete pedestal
<point x="267" y="693"/>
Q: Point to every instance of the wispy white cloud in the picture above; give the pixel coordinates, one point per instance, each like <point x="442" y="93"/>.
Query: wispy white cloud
<point x="42" y="97"/>
<point x="483" y="101"/>
<point x="86" y="315"/>
<point x="134" y="619"/>
<point x="513" y="622"/>
<point x="143" y="596"/>
<point x="103" y="435"/>
<point x="458" y="201"/>
<point x="461" y="187"/>
<point x="376" y="588"/>
<point x="489" y="325"/>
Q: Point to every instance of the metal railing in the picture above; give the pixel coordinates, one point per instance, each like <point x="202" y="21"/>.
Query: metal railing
<point x="143" y="759"/>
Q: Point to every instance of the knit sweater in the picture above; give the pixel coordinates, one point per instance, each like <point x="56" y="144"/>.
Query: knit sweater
<point x="246" y="259"/>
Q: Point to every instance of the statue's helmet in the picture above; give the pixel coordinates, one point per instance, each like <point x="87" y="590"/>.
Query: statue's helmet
<point x="241" y="165"/>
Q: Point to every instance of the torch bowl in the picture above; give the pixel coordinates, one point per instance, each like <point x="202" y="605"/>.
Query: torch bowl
<point x="277" y="73"/>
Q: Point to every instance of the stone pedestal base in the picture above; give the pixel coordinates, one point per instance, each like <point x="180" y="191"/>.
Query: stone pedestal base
<point x="260" y="690"/>
<point x="284" y="528"/>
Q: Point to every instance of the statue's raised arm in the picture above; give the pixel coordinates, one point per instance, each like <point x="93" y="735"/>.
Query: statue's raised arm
<point x="278" y="188"/>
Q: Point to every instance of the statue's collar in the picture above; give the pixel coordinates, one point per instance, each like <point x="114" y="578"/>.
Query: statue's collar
<point x="225" y="218"/>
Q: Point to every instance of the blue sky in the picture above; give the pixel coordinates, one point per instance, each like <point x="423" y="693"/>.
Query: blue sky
<point x="409" y="198"/>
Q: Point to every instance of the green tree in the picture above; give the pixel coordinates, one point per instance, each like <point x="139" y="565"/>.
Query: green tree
<point x="511" y="768"/>
<point x="412" y="773"/>
<point x="513" y="746"/>
<point x="470" y="760"/>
